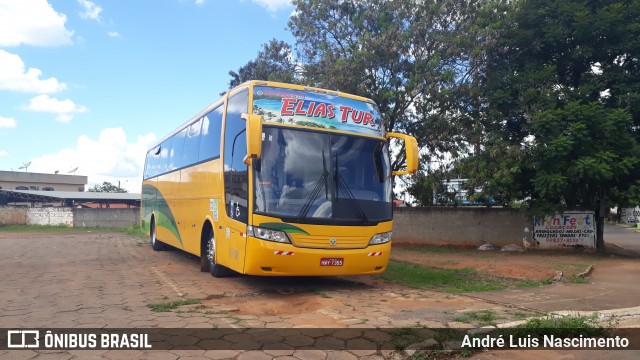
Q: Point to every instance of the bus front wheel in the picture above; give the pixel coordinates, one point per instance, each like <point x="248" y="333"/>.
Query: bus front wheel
<point x="215" y="269"/>
<point x="156" y="244"/>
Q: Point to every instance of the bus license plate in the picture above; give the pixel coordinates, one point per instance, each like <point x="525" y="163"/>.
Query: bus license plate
<point x="331" y="261"/>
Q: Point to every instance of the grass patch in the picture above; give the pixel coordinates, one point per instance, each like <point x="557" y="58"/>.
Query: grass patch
<point x="478" y="317"/>
<point x="565" y="326"/>
<point x="533" y="283"/>
<point x="171" y="305"/>
<point x="445" y="280"/>
<point x="40" y="228"/>
<point x="520" y="315"/>
<point x="134" y="230"/>
<point x="131" y="230"/>
<point x="578" y="280"/>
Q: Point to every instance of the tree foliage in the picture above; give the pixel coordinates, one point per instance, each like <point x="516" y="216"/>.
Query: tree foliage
<point x="536" y="102"/>
<point x="562" y="112"/>
<point x="416" y="60"/>
<point x="273" y="63"/>
<point x="107" y="187"/>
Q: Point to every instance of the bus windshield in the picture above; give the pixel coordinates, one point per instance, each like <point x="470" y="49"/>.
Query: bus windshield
<point x="306" y="176"/>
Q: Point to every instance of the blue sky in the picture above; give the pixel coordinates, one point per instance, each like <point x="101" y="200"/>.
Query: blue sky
<point x="92" y="84"/>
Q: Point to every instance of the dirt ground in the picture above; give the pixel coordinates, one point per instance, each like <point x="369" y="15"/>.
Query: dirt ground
<point x="114" y="280"/>
<point x="525" y="265"/>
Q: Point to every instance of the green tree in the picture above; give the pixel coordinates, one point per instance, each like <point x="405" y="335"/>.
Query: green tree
<point x="273" y="63"/>
<point x="563" y="107"/>
<point x="416" y="60"/>
<point x="107" y="187"/>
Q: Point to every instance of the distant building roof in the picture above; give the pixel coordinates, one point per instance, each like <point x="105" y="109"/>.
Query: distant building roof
<point x="18" y="176"/>
<point x="72" y="197"/>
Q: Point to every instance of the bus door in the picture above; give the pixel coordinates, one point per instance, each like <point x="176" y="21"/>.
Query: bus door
<point x="236" y="183"/>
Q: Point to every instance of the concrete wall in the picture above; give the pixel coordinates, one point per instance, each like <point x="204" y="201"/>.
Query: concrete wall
<point x="435" y="226"/>
<point x="106" y="217"/>
<point x="13" y="216"/>
<point x="50" y="216"/>
<point x="458" y="226"/>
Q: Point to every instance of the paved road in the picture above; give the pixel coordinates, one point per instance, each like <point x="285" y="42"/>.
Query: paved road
<point x="91" y="280"/>
<point x="623" y="236"/>
<point x="96" y="280"/>
<point x="612" y="283"/>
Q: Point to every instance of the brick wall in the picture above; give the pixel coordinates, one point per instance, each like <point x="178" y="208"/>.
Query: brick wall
<point x="13" y="216"/>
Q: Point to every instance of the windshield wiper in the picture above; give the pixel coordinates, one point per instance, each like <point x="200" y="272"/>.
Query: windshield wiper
<point x="340" y="183"/>
<point x="322" y="181"/>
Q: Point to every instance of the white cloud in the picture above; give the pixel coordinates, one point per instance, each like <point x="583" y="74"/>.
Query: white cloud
<point x="64" y="108"/>
<point x="114" y="34"/>
<point x="14" y="76"/>
<point x="273" y="5"/>
<point x="32" y="22"/>
<point x="110" y="157"/>
<point x="3" y="153"/>
<point x="90" y="11"/>
<point x="197" y="2"/>
<point x="7" y="123"/>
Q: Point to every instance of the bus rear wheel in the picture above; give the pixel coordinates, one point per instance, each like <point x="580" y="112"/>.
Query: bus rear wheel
<point x="156" y="244"/>
<point x="215" y="269"/>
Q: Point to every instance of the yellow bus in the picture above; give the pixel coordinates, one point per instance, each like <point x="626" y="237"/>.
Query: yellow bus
<point x="276" y="179"/>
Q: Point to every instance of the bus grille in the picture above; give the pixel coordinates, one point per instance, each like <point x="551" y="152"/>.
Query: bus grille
<point x="325" y="242"/>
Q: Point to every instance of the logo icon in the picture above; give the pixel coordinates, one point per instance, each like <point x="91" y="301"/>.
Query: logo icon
<point x="332" y="241"/>
<point x="21" y="339"/>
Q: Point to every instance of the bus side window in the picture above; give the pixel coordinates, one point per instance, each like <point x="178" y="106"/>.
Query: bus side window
<point x="191" y="144"/>
<point x="210" y="134"/>
<point x="236" y="176"/>
<point x="175" y="157"/>
<point x="165" y="152"/>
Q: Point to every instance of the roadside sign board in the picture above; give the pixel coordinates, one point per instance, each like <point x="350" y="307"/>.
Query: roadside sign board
<point x="576" y="228"/>
<point x="630" y="215"/>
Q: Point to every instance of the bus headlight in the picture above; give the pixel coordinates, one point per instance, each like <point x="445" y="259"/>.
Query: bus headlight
<point x="267" y="234"/>
<point x="381" y="238"/>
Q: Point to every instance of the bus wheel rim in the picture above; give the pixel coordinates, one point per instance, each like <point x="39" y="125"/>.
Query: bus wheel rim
<point x="211" y="250"/>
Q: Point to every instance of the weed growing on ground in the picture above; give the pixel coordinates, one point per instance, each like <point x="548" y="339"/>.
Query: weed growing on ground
<point x="478" y="317"/>
<point x="563" y="326"/>
<point x="171" y="305"/>
<point x="534" y="283"/>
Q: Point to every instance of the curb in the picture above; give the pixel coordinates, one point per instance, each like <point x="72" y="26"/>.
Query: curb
<point x="604" y="317"/>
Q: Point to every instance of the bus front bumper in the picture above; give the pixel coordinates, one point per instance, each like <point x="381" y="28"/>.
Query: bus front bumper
<point x="267" y="258"/>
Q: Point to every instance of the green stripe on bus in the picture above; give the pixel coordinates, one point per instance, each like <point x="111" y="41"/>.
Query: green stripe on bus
<point x="288" y="228"/>
<point x="153" y="200"/>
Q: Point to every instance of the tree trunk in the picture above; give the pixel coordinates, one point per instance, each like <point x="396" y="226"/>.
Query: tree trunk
<point x="600" y="222"/>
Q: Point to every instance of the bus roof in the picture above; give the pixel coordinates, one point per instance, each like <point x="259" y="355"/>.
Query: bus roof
<point x="252" y="83"/>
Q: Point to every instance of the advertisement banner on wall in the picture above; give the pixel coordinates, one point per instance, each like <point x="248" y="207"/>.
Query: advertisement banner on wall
<point x="576" y="228"/>
<point x="630" y="215"/>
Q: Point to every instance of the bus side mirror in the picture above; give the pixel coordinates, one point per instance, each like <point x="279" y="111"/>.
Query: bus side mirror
<point x="411" y="153"/>
<point x="254" y="137"/>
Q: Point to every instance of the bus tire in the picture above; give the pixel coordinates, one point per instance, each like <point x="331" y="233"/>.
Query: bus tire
<point x="215" y="269"/>
<point x="156" y="244"/>
<point x="204" y="260"/>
